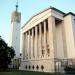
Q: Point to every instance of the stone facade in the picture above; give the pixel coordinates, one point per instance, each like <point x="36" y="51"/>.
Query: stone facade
<point x="47" y="36"/>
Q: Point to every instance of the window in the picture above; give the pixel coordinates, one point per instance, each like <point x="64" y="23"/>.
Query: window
<point x="33" y="67"/>
<point x="42" y="67"/>
<point x="26" y="66"/>
<point x="29" y="67"/>
<point x="37" y="67"/>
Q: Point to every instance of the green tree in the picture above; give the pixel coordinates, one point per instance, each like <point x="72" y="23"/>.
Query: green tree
<point x="6" y="54"/>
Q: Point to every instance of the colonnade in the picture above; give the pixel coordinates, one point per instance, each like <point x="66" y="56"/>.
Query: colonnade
<point x="38" y="42"/>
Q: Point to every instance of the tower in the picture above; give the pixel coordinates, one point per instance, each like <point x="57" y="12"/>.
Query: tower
<point x="15" y="31"/>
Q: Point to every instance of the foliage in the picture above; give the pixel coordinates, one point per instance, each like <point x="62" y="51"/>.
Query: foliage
<point x="6" y="54"/>
<point x="69" y="69"/>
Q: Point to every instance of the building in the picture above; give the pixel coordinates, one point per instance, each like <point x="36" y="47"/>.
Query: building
<point x="15" y="31"/>
<point x="15" y="36"/>
<point x="47" y="38"/>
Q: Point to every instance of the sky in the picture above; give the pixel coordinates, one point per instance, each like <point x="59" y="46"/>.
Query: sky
<point x="28" y="8"/>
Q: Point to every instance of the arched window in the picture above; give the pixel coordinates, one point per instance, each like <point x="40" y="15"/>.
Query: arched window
<point x="29" y="67"/>
<point x="26" y="66"/>
<point x="33" y="67"/>
<point x="37" y="67"/>
<point x="42" y="67"/>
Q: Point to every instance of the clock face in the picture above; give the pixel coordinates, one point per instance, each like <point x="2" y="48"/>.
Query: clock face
<point x="17" y="19"/>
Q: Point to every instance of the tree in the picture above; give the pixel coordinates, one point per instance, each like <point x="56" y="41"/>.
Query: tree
<point x="6" y="54"/>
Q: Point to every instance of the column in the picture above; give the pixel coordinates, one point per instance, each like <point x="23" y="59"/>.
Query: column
<point x="40" y="32"/>
<point x="36" y="42"/>
<point x="51" y="29"/>
<point x="64" y="41"/>
<point x="32" y="44"/>
<point x="28" y="44"/>
<point x="23" y="43"/>
<point x="45" y="38"/>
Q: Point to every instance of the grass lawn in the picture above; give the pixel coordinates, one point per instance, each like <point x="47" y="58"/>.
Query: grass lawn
<point x="28" y="73"/>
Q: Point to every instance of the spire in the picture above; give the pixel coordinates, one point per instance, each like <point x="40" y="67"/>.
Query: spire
<point x="17" y="6"/>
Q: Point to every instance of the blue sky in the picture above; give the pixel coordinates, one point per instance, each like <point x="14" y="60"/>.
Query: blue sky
<point x="28" y="8"/>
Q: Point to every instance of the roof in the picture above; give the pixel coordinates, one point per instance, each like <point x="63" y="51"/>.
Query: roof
<point x="53" y="8"/>
<point x="44" y="11"/>
<point x="69" y="13"/>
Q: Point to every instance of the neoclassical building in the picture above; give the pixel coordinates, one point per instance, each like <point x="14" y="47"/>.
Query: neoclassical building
<point x="48" y="39"/>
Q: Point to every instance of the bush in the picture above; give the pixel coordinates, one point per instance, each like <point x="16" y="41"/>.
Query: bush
<point x="69" y="69"/>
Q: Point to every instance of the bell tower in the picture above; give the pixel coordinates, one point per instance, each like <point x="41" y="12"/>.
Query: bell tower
<point x="15" y="31"/>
